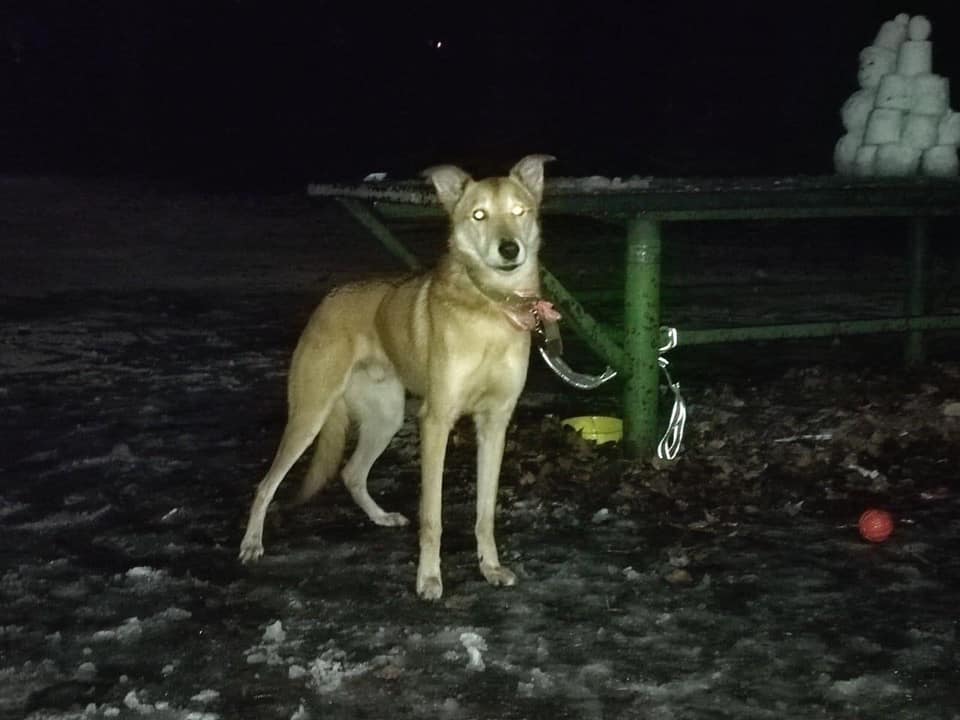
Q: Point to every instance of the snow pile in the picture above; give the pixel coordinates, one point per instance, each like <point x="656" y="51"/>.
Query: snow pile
<point x="899" y="122"/>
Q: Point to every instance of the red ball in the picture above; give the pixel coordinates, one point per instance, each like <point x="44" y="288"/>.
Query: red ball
<point x="876" y="525"/>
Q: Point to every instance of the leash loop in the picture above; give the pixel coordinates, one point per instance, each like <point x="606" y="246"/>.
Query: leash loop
<point x="669" y="445"/>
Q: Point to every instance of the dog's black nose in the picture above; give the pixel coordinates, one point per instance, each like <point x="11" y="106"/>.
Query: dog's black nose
<point x="509" y="249"/>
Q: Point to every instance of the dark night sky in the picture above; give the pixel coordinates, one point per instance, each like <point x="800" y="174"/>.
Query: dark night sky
<point x="246" y="92"/>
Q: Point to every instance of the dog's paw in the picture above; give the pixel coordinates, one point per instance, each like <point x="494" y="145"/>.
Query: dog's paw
<point x="250" y="551"/>
<point x="430" y="588"/>
<point x="389" y="519"/>
<point x="498" y="575"/>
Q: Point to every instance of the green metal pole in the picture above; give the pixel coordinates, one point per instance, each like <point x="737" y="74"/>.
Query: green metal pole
<point x="914" y="353"/>
<point x="367" y="217"/>
<point x="641" y="337"/>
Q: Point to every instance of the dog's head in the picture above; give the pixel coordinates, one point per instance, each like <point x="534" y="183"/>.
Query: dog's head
<point x="495" y="222"/>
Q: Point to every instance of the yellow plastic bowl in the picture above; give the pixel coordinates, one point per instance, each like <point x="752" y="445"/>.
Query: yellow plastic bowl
<point x="598" y="428"/>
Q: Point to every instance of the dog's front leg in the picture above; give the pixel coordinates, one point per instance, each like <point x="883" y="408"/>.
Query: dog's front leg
<point x="491" y="431"/>
<point x="434" y="431"/>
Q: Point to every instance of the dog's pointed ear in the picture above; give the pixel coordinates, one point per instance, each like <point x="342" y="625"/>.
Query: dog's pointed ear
<point x="529" y="173"/>
<point x="450" y="182"/>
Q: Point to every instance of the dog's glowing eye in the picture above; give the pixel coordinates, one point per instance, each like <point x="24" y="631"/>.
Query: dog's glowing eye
<point x="479" y="214"/>
<point x="518" y="210"/>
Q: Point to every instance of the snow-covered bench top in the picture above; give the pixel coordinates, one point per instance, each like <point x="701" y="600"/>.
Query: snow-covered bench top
<point x="694" y="198"/>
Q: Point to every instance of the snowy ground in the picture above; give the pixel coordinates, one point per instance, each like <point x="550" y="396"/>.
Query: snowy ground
<point x="144" y="338"/>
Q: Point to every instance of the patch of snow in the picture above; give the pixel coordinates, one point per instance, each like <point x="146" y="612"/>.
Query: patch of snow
<point x="674" y="689"/>
<point x="597" y="183"/>
<point x="474" y="644"/>
<point x="600" y="516"/>
<point x="17" y="683"/>
<point x="631" y="575"/>
<point x="65" y="519"/>
<point x="540" y="684"/>
<point x="268" y="650"/>
<point x="301" y="713"/>
<point x="865" y="686"/>
<point x="131" y="629"/>
<point x="132" y="701"/>
<point x="119" y="454"/>
<point x="450" y="707"/>
<point x="328" y="671"/>
<point x="417" y="192"/>
<point x="172" y="614"/>
<point x="8" y="508"/>
<point x="171" y="515"/>
<point x="144" y="573"/>
<point x="274" y="634"/>
<point x="206" y="696"/>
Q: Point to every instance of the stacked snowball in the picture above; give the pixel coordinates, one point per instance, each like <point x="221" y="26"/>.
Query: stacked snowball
<point x="899" y="122"/>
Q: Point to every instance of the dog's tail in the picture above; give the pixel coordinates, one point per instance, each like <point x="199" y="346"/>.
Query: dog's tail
<point x="327" y="453"/>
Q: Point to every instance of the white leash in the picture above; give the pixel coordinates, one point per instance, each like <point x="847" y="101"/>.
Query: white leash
<point x="669" y="445"/>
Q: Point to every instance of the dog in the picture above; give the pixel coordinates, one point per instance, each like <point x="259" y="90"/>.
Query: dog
<point x="458" y="337"/>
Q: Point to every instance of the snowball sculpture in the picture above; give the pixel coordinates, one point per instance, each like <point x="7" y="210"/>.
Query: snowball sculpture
<point x="899" y="122"/>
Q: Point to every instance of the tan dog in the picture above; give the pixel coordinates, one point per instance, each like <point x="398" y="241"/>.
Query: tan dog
<point x="457" y="336"/>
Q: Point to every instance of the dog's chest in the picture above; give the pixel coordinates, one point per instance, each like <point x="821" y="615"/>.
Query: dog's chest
<point x="487" y="366"/>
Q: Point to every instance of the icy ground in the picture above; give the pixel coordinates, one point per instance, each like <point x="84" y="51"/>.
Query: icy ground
<point x="144" y="338"/>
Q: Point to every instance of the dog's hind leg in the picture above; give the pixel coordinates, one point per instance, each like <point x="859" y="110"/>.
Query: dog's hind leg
<point x="491" y="431"/>
<point x="316" y="383"/>
<point x="375" y="399"/>
<point x="297" y="436"/>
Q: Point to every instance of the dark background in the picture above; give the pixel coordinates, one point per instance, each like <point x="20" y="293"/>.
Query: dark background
<point x="240" y="92"/>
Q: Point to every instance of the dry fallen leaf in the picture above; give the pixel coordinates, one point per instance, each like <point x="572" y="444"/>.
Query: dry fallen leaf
<point x="679" y="577"/>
